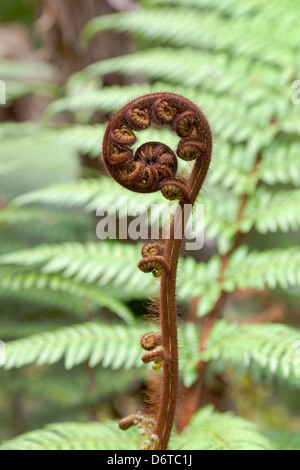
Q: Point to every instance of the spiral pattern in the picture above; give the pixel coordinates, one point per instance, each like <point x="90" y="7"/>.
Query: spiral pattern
<point x="153" y="164"/>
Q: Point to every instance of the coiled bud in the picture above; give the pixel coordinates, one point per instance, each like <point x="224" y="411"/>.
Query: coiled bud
<point x="138" y="119"/>
<point x="175" y="190"/>
<point x="140" y="420"/>
<point x="190" y="150"/>
<point x="163" y="111"/>
<point x="152" y="249"/>
<point x="157" y="356"/>
<point x="151" y="340"/>
<point x="184" y="124"/>
<point x="154" y="264"/>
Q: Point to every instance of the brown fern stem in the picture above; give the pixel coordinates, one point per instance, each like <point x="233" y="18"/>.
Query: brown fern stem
<point x="168" y="315"/>
<point x="153" y="167"/>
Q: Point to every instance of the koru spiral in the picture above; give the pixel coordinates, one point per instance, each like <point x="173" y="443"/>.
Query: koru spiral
<point x="153" y="165"/>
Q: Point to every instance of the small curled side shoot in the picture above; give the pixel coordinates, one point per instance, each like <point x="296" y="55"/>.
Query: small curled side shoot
<point x="146" y="423"/>
<point x="153" y="259"/>
<point x="156" y="355"/>
<point x="176" y="190"/>
<point x="151" y="340"/>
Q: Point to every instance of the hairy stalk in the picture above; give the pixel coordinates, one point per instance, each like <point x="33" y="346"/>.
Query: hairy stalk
<point x="151" y="168"/>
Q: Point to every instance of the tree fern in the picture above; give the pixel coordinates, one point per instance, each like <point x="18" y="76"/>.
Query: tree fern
<point x="236" y="61"/>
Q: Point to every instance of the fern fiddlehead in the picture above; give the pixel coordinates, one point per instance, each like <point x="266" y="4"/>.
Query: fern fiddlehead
<point x="151" y="168"/>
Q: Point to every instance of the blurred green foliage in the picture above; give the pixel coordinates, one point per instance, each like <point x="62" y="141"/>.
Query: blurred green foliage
<point x="18" y="10"/>
<point x="71" y="306"/>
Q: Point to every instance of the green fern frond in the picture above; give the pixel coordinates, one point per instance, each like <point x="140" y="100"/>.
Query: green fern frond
<point x="113" y="346"/>
<point x="208" y="431"/>
<point x="87" y="263"/>
<point x="87" y="296"/>
<point x="266" y="211"/>
<point x="236" y="61"/>
<point x="183" y="30"/>
<point x="74" y="436"/>
<point x="270" y="351"/>
<point x="211" y="430"/>
<point x="105" y="262"/>
<point x="272" y="268"/>
<point x="75" y="268"/>
<point x="200" y="280"/>
<point x="189" y="357"/>
<point x="281" y="163"/>
<point x="48" y="140"/>
<point x="272" y="211"/>
<point x="210" y="71"/>
<point x="235" y="9"/>
<point x="107" y="99"/>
